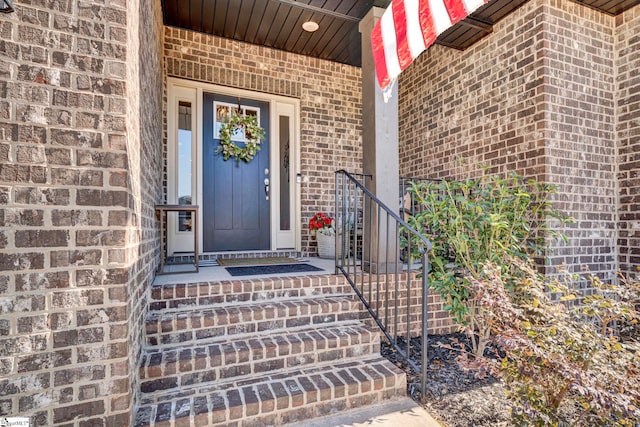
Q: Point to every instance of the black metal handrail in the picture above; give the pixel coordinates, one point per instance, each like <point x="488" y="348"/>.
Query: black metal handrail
<point x="368" y="244"/>
<point x="408" y="206"/>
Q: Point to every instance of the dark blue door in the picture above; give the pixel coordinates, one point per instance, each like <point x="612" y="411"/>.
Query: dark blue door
<point x="235" y="205"/>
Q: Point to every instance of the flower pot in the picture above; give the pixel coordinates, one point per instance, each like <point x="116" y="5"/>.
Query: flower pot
<point x="326" y="245"/>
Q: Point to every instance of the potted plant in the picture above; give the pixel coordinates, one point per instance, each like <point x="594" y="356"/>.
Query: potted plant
<point x="322" y="226"/>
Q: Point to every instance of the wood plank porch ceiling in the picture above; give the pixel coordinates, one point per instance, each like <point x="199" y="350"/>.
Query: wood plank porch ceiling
<point x="278" y="23"/>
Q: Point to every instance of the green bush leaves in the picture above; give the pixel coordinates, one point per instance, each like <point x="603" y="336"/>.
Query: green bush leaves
<point x="475" y="222"/>
<point x="569" y="359"/>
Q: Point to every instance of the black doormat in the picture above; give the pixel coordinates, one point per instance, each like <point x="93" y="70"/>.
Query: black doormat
<point x="244" y="262"/>
<point x="271" y="269"/>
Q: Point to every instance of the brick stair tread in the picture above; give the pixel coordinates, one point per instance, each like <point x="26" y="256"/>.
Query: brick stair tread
<point x="193" y="324"/>
<point x="276" y="398"/>
<point x="162" y="368"/>
<point x="174" y="296"/>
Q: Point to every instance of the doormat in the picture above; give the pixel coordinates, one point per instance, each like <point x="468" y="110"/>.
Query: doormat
<point x="237" y="262"/>
<point x="271" y="269"/>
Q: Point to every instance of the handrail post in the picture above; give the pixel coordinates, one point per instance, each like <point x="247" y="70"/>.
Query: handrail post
<point x="425" y="320"/>
<point x="335" y="227"/>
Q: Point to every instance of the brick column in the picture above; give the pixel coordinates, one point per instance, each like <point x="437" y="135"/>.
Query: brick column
<point x="628" y="134"/>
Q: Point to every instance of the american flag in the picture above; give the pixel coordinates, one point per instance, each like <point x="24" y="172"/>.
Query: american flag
<point x="407" y="28"/>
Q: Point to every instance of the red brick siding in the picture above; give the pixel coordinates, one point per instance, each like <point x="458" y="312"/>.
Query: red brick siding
<point x="329" y="94"/>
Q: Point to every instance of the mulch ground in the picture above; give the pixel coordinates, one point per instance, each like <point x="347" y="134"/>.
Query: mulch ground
<point x="454" y="397"/>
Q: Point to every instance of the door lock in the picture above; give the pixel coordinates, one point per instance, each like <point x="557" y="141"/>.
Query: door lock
<point x="266" y="188"/>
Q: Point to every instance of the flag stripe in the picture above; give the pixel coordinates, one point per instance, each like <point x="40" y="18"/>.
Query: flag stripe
<point x="400" y="24"/>
<point x="457" y="10"/>
<point x="377" y="46"/>
<point x="440" y="15"/>
<point x="426" y="23"/>
<point x="390" y="46"/>
<point x="472" y="5"/>
<point x="414" y="31"/>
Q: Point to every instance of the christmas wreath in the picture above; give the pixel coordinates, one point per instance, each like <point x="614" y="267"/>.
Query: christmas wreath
<point x="254" y="135"/>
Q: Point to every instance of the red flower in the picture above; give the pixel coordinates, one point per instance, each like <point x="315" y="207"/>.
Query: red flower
<point x="320" y="221"/>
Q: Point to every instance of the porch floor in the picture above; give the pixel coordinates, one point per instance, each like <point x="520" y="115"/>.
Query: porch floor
<point x="219" y="273"/>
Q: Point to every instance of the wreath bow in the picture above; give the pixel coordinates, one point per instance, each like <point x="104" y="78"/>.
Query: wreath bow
<point x="254" y="136"/>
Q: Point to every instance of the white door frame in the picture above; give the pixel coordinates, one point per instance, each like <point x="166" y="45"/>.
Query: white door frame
<point x="278" y="105"/>
<point x="179" y="241"/>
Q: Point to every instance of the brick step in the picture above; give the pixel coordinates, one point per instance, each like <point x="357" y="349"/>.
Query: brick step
<point x="163" y="369"/>
<point x="276" y="398"/>
<point x="237" y="291"/>
<point x="190" y="325"/>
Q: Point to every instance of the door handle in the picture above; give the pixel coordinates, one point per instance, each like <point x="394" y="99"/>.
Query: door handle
<point x="266" y="188"/>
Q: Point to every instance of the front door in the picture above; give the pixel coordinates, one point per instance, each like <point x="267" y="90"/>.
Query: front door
<point x="235" y="195"/>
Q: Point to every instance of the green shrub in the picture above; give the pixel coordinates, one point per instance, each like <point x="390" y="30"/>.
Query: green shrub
<point x="475" y="222"/>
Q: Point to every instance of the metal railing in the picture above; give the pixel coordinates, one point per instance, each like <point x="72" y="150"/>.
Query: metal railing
<point x="408" y="205"/>
<point x="369" y="237"/>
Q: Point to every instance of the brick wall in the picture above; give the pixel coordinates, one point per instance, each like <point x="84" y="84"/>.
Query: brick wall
<point x="329" y="94"/>
<point x="382" y="289"/>
<point x="536" y="97"/>
<point x="77" y="239"/>
<point x="146" y="104"/>
<point x="580" y="132"/>
<point x="628" y="126"/>
<point x="476" y="106"/>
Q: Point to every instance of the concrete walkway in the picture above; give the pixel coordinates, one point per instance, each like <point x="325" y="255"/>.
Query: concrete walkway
<point x="396" y="413"/>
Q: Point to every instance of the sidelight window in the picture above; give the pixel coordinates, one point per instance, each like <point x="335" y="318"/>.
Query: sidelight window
<point x="184" y="166"/>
